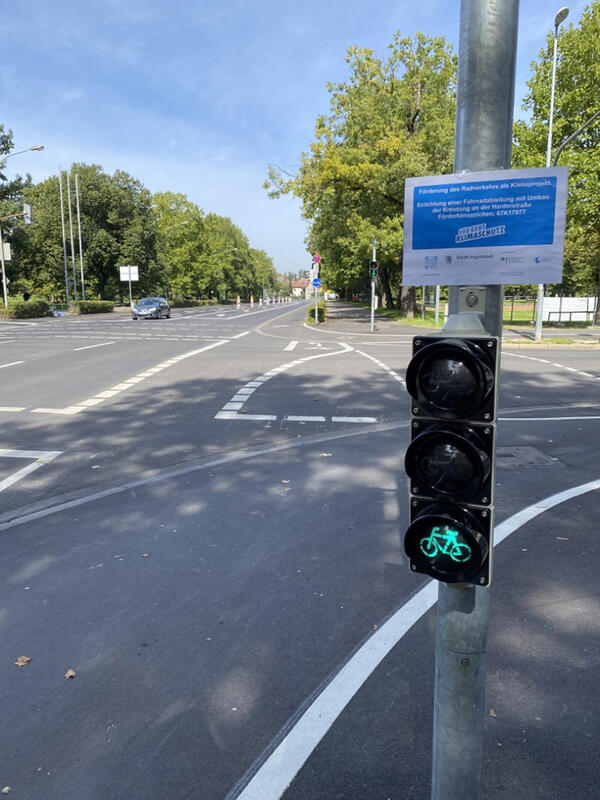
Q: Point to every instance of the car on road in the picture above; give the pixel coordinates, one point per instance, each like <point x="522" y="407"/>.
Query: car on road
<point x="151" y="308"/>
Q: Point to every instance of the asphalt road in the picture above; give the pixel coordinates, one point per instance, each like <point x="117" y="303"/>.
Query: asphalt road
<point x="202" y="517"/>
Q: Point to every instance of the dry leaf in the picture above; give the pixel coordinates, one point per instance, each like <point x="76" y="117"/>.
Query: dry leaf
<point x="22" y="660"/>
<point x="288" y="489"/>
<point x="96" y="466"/>
<point x="70" y="673"/>
<point x="492" y="712"/>
<point x="325" y="455"/>
<point x="285" y="481"/>
<point x="145" y="555"/>
<point x="6" y="790"/>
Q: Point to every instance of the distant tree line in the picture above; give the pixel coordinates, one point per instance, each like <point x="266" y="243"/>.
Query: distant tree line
<point x="181" y="251"/>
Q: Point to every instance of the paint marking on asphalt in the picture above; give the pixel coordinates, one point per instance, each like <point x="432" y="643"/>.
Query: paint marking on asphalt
<point x="291" y="418"/>
<point x="243" y="394"/>
<point x="379" y="363"/>
<point x="41" y="457"/>
<point x="13" y="408"/>
<point x="12" y="364"/>
<point x="5" y="341"/>
<point x="554" y="364"/>
<point x="354" y="419"/>
<point x="121" y="387"/>
<point x="291" y="345"/>
<point x="541" y="419"/>
<point x="272" y="773"/>
<point x="89" y="346"/>
<point x="239" y="335"/>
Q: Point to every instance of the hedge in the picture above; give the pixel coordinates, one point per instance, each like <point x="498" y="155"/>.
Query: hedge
<point x="91" y="306"/>
<point x="23" y="309"/>
<point x="322" y="312"/>
<point x="179" y="303"/>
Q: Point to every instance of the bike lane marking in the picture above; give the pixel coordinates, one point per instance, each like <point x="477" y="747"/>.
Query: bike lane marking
<point x="273" y="771"/>
<point x="41" y="457"/>
<point x="100" y="397"/>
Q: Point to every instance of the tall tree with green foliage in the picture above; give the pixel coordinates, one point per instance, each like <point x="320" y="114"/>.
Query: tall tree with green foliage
<point x="576" y="101"/>
<point x="390" y="120"/>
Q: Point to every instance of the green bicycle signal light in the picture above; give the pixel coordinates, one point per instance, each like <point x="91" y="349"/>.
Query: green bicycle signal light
<point x="448" y="542"/>
<point x="449" y="462"/>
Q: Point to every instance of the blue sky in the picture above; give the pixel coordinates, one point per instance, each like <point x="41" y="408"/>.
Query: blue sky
<point x="201" y="97"/>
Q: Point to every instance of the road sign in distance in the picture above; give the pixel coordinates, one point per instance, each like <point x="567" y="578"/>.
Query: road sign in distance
<point x="316" y="258"/>
<point x="450" y="459"/>
<point x="316" y="282"/>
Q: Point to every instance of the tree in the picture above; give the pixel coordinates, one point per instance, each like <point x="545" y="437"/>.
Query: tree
<point x="576" y="101"/>
<point x="390" y="120"/>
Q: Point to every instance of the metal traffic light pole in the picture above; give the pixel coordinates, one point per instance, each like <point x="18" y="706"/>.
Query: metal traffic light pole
<point x="484" y="116"/>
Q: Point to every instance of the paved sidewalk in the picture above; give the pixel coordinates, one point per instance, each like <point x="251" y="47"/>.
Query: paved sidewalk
<point x="345" y="318"/>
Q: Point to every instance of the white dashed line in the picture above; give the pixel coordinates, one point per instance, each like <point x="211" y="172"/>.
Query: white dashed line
<point x="121" y="387"/>
<point x="291" y="345"/>
<point x="13" y="408"/>
<point x="89" y="346"/>
<point x="12" y="364"/>
<point x="354" y="419"/>
<point x="239" y="335"/>
<point x="379" y="363"/>
<point x="553" y="364"/>
<point x="290" y="418"/>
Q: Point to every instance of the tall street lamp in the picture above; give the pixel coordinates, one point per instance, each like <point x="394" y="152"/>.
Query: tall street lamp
<point x="9" y="155"/>
<point x="560" y="17"/>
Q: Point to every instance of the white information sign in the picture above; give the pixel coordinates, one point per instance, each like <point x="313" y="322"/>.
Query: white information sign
<point x="129" y="273"/>
<point x="501" y="226"/>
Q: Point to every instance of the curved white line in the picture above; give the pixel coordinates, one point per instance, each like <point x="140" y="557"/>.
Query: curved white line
<point x="281" y="767"/>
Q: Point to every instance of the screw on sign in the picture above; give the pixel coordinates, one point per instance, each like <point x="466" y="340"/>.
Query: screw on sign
<point x="450" y="460"/>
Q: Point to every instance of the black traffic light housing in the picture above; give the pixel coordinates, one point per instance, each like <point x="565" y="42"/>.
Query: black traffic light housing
<point x="373" y="269"/>
<point x="450" y="460"/>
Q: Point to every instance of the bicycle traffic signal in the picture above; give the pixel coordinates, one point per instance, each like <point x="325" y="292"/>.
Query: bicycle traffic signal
<point x="373" y="269"/>
<point x="450" y="459"/>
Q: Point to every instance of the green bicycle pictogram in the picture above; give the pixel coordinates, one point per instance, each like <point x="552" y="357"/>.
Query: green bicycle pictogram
<point x="445" y="543"/>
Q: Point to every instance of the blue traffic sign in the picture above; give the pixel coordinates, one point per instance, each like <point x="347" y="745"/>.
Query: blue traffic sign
<point x="316" y="282"/>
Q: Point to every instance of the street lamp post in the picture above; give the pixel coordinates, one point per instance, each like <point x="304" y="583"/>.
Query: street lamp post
<point x="9" y="155"/>
<point x="560" y="17"/>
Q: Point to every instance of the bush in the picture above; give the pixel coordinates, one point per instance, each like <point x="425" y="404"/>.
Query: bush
<point x="91" y="306"/>
<point x="322" y="312"/>
<point x="25" y="309"/>
<point x="180" y="303"/>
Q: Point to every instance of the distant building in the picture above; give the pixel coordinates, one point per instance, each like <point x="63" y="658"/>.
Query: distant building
<point x="299" y="287"/>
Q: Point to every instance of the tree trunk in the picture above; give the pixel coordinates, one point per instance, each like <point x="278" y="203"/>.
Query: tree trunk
<point x="407" y="302"/>
<point x="387" y="289"/>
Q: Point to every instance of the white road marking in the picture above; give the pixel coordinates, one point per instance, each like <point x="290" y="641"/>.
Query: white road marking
<point x="13" y="408"/>
<point x="89" y="346"/>
<point x="239" y="335"/>
<point x="121" y="387"/>
<point x="41" y="457"/>
<point x="243" y="395"/>
<point x="12" y="364"/>
<point x="354" y="419"/>
<point x="379" y="363"/>
<point x="283" y="764"/>
<point x="5" y="341"/>
<point x="291" y="418"/>
<point x="291" y="345"/>
<point x="541" y="419"/>
<point x="553" y="363"/>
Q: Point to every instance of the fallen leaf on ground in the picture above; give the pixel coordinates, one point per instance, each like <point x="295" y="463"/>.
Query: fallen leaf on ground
<point x="70" y="673"/>
<point x="6" y="790"/>
<point x="492" y="712"/>
<point x="287" y="489"/>
<point x="285" y="481"/>
<point x="326" y="455"/>
<point x="145" y="555"/>
<point x="316" y="398"/>
<point x="22" y="660"/>
<point x="96" y="466"/>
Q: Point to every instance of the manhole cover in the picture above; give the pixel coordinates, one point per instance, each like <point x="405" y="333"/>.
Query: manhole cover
<point x="525" y="456"/>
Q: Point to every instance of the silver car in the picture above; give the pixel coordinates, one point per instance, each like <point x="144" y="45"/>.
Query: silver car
<point x="151" y="308"/>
